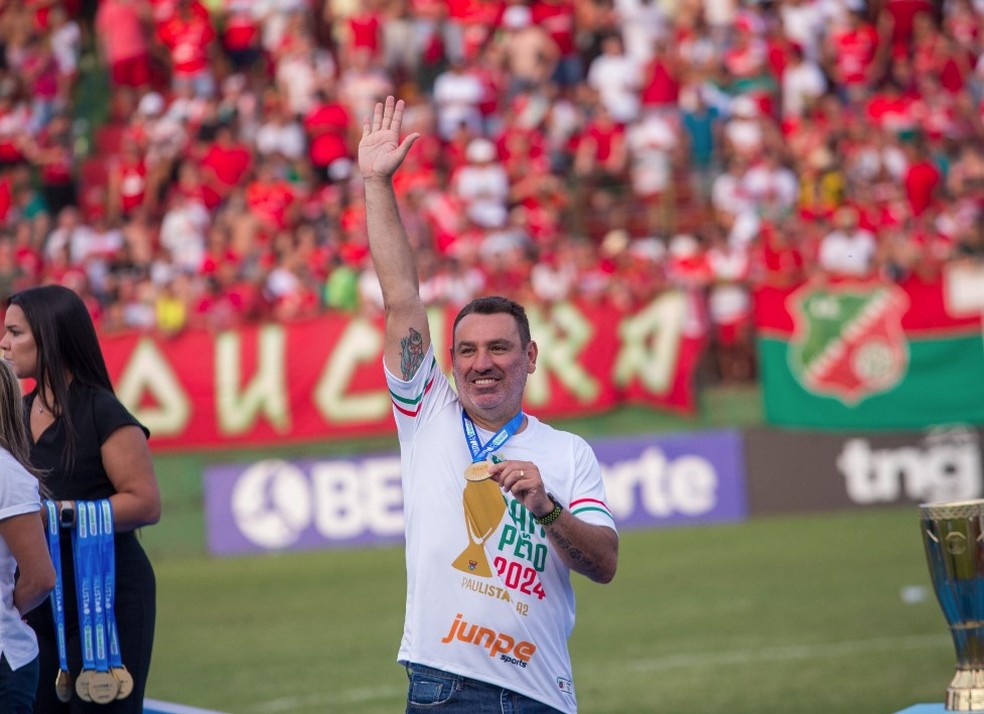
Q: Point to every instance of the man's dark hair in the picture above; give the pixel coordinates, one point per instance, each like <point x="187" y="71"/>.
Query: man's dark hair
<point x="495" y="304"/>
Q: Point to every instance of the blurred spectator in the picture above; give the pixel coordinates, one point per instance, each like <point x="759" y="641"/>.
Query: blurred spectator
<point x="850" y="54"/>
<point x="652" y="143"/>
<point x="303" y="72"/>
<point x="458" y="92"/>
<point x="530" y="55"/>
<point x="66" y="48"/>
<point x="38" y="72"/>
<point x="730" y="308"/>
<point x="241" y="34"/>
<point x="769" y="139"/>
<point x="558" y="18"/>
<point x="970" y="242"/>
<point x="922" y="178"/>
<point x="121" y="29"/>
<point x="482" y="185"/>
<point x="662" y="74"/>
<point x="803" y="24"/>
<point x="189" y="38"/>
<point x="272" y="200"/>
<point x="616" y="77"/>
<point x="183" y="231"/>
<point x="225" y="165"/>
<point x="361" y="83"/>
<point x="803" y="83"/>
<point x="770" y="186"/>
<point x="127" y="181"/>
<point x="848" y="250"/>
<point x="281" y="134"/>
<point x="327" y="125"/>
<point x="53" y="153"/>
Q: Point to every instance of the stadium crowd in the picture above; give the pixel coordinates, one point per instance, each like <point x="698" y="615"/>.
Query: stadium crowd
<point x="601" y="150"/>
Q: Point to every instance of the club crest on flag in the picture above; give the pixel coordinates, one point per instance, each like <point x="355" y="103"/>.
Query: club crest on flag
<point x="848" y="341"/>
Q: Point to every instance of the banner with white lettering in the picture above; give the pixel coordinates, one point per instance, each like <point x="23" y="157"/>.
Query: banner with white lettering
<point x="274" y="505"/>
<point x="322" y="378"/>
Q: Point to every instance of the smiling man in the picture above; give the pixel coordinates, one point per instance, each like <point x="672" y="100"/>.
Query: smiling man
<point x="499" y="507"/>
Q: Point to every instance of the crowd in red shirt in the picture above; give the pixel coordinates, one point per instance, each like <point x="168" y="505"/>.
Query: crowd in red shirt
<point x="598" y="150"/>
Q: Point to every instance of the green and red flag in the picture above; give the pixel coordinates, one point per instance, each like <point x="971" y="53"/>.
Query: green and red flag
<point x="870" y="354"/>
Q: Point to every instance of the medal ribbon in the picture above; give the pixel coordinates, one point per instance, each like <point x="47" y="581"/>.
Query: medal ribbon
<point x="98" y="586"/>
<point x="86" y="557"/>
<point x="58" y="594"/>
<point x="480" y="451"/>
<point x="108" y="554"/>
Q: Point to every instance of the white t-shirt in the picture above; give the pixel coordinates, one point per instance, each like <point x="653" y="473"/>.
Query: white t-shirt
<point x="457" y="96"/>
<point x="847" y="253"/>
<point x="18" y="495"/>
<point x="650" y="142"/>
<point x="801" y="85"/>
<point x="484" y="188"/>
<point x="509" y="625"/>
<point x="616" y="79"/>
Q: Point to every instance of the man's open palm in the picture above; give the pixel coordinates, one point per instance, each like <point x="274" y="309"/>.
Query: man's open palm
<point x="380" y="150"/>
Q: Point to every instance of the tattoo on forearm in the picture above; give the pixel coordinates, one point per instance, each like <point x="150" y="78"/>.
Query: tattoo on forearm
<point x="583" y="563"/>
<point x="411" y="353"/>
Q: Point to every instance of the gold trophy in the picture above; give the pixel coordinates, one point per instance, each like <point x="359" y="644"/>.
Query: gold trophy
<point x="484" y="508"/>
<point x="953" y="534"/>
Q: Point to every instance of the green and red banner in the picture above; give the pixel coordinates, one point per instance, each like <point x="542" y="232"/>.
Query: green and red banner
<point x="873" y="354"/>
<point x="322" y="378"/>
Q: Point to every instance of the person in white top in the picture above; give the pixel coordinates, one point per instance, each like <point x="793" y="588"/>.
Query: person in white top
<point x="23" y="548"/>
<point x="616" y="76"/>
<point x="803" y="83"/>
<point x="458" y="91"/>
<point x="500" y="507"/>
<point x="848" y="250"/>
<point x="482" y="184"/>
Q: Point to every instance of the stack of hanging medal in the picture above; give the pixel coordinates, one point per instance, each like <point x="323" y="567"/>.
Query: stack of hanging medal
<point x="103" y="678"/>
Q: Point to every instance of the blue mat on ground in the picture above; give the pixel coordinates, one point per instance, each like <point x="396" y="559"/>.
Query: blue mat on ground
<point x="929" y="709"/>
<point x="153" y="706"/>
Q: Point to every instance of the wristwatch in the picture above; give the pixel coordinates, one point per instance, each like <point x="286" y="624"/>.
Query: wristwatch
<point x="66" y="516"/>
<point x="548" y="518"/>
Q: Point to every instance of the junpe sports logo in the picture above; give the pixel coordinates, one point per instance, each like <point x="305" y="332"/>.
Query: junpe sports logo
<point x="497" y="643"/>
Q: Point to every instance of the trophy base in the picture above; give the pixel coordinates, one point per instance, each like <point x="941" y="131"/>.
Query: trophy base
<point x="964" y="700"/>
<point x="473" y="561"/>
<point x="966" y="691"/>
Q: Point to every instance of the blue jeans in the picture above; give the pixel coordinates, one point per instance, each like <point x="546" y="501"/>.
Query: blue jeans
<point x="436" y="690"/>
<point x="17" y="688"/>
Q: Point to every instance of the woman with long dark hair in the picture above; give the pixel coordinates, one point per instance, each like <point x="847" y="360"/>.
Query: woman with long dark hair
<point x="90" y="448"/>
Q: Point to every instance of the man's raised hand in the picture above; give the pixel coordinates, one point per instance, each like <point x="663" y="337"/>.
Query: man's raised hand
<point x="380" y="149"/>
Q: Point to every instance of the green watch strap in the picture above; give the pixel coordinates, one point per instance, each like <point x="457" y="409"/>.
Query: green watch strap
<point x="549" y="518"/>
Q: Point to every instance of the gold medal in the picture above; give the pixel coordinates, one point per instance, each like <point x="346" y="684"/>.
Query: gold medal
<point x="477" y="471"/>
<point x="82" y="685"/>
<point x="125" y="679"/>
<point x="103" y="687"/>
<point x="63" y="686"/>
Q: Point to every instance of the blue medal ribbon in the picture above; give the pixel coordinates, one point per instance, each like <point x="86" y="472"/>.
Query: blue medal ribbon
<point x="480" y="451"/>
<point x="98" y="586"/>
<point x="85" y="565"/>
<point x="57" y="596"/>
<point x="108" y="555"/>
